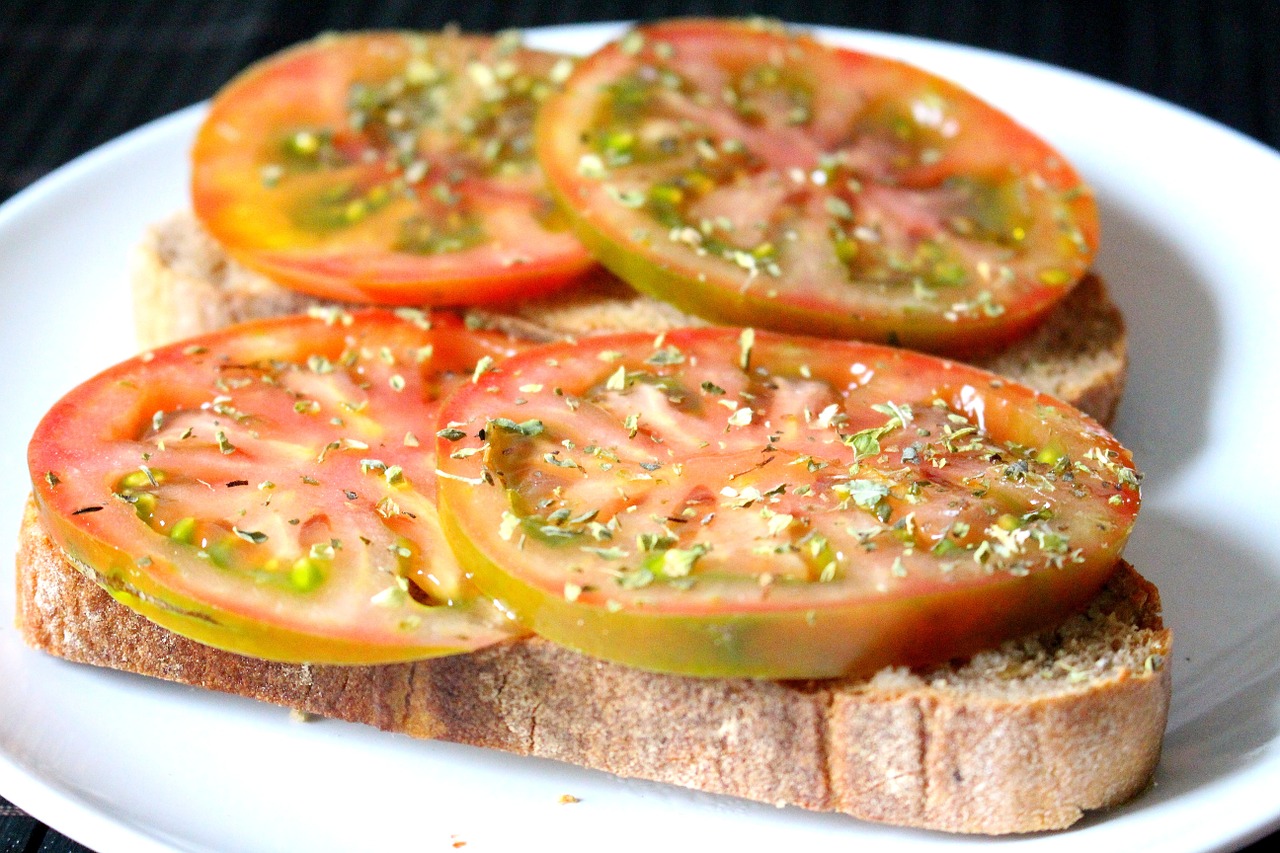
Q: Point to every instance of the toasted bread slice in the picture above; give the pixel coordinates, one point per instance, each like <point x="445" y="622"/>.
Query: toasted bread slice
<point x="1021" y="738"/>
<point x="185" y="284"/>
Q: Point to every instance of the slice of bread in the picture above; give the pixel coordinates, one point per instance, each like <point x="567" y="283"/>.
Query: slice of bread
<point x="185" y="284"/>
<point x="1021" y="738"/>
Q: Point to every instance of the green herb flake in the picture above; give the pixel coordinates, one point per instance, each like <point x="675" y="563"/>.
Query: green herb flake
<point x="416" y="316"/>
<point x="325" y="550"/>
<point x="666" y="356"/>
<point x="944" y="547"/>
<point x="865" y="442"/>
<point x="899" y="414"/>
<point x="678" y="562"/>
<point x="527" y="428"/>
<point x="867" y="493"/>
<point x="746" y="341"/>
<point x="655" y="541"/>
<point x="551" y="531"/>
<point x="554" y="459"/>
<point x="608" y="553"/>
<point x="319" y="364"/>
<point x="778" y="523"/>
<point x="483" y="366"/>
<point x="254" y="536"/>
<point x="635" y="578"/>
<point x="224" y="446"/>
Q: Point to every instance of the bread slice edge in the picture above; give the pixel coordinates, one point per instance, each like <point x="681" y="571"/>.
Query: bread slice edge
<point x="184" y="284"/>
<point x="1023" y="738"/>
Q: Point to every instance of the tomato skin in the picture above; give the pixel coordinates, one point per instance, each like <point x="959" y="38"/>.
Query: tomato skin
<point x="259" y="190"/>
<point x="732" y="609"/>
<point x="781" y="218"/>
<point x="186" y="482"/>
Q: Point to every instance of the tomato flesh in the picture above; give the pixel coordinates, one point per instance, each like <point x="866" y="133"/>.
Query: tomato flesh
<point x="754" y="176"/>
<point x="719" y="503"/>
<point x="269" y="489"/>
<point x="388" y="167"/>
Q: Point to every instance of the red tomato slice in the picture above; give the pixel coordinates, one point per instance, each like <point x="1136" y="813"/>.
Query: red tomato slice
<point x="388" y="167"/>
<point x="754" y="176"/>
<point x="269" y="489"/>
<point x="720" y="504"/>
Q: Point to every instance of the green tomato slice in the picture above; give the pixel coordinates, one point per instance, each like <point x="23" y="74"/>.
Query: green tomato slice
<point x="754" y="176"/>
<point x="724" y="503"/>
<point x="269" y="489"/>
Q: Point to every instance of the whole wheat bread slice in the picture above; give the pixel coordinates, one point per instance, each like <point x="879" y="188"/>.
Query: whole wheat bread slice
<point x="1025" y="737"/>
<point x="185" y="284"/>
<point x="1022" y="738"/>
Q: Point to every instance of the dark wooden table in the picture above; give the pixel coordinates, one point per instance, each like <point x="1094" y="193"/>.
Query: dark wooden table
<point x="74" y="75"/>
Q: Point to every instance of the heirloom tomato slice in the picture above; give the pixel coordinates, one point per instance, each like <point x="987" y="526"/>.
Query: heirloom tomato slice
<point x="388" y="167"/>
<point x="755" y="176"/>
<point x="270" y="489"/>
<point x="719" y="503"/>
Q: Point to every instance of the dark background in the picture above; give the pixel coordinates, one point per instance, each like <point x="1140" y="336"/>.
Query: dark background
<point x="74" y="74"/>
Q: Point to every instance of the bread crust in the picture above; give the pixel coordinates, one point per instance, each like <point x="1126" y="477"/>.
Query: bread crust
<point x="1023" y="738"/>
<point x="185" y="284"/>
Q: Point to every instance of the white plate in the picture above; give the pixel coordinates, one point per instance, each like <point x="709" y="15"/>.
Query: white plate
<point x="1189" y="246"/>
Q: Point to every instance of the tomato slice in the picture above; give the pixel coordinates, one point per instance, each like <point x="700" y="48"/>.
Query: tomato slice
<point x="754" y="176"/>
<point x="388" y="167"/>
<point x="269" y="489"/>
<point x="719" y="503"/>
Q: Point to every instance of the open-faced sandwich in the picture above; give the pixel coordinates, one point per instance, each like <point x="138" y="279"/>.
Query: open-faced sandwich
<point x="861" y="578"/>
